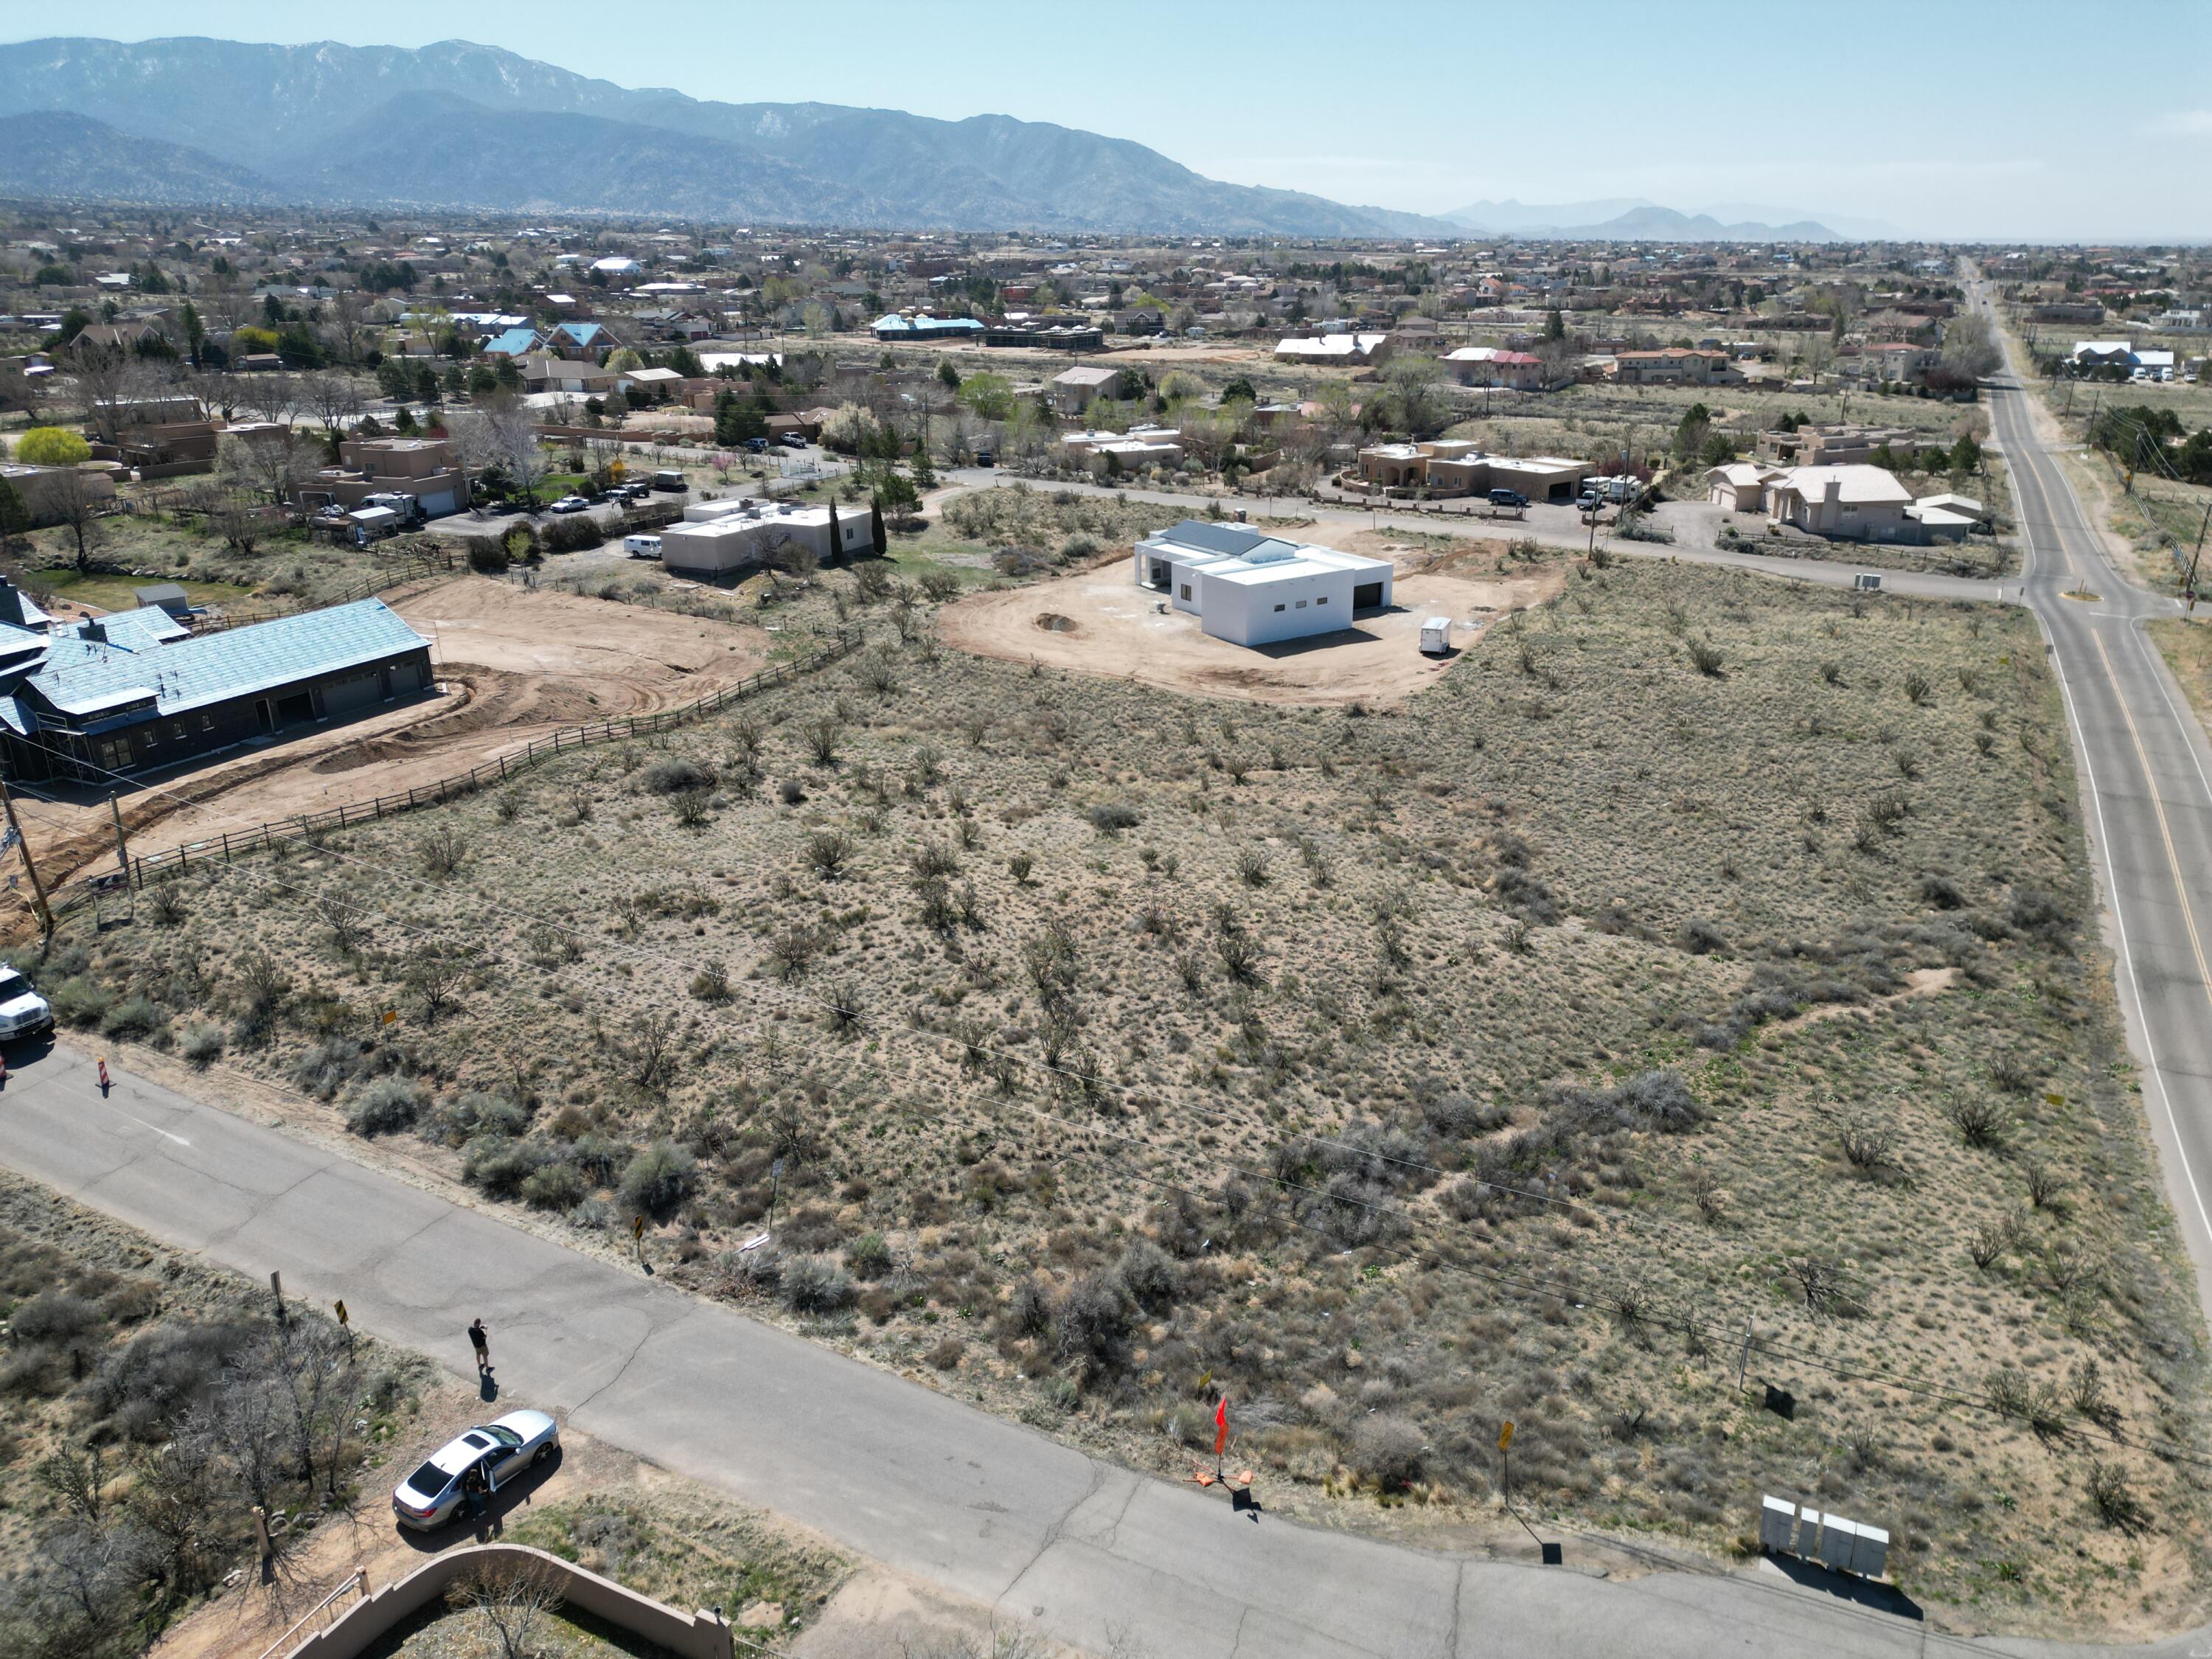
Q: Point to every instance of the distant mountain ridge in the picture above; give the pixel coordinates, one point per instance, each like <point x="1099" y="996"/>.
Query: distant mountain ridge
<point x="338" y="124"/>
<point x="99" y="163"/>
<point x="1629" y="219"/>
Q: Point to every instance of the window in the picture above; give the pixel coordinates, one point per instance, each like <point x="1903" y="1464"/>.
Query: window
<point x="177" y="730"/>
<point x="1322" y="600"/>
<point x="1186" y="590"/>
<point x="1301" y="606"/>
<point x="153" y="737"/>
<point x="207" y="722"/>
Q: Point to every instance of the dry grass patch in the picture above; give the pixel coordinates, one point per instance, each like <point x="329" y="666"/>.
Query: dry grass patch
<point x="1422" y="1068"/>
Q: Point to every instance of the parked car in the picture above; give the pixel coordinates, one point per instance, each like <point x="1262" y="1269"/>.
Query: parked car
<point x="793" y="441"/>
<point x="758" y="445"/>
<point x="1503" y="497"/>
<point x="432" y="1495"/>
<point x="984" y="457"/>
<point x="570" y="504"/>
<point x="641" y="547"/>
<point x="1589" y="501"/>
<point x="671" y="481"/>
<point x="23" y="1012"/>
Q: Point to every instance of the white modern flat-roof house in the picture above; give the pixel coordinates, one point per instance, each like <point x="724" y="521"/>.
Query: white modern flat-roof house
<point x="1251" y="588"/>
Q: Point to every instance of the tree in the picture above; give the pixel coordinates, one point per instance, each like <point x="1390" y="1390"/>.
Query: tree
<point x="1240" y="390"/>
<point x="515" y="1602"/>
<point x="876" y="539"/>
<point x="836" y="541"/>
<point x="14" y="517"/>
<point x="1971" y="352"/>
<point x="272" y="463"/>
<point x="990" y="396"/>
<point x="1413" y="394"/>
<point x="332" y="398"/>
<point x="947" y="375"/>
<point x="1555" y="326"/>
<point x="51" y="446"/>
<point x="1965" y="454"/>
<point x="72" y="501"/>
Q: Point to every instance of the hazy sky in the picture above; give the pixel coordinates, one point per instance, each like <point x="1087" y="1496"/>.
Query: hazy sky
<point x="1952" y="117"/>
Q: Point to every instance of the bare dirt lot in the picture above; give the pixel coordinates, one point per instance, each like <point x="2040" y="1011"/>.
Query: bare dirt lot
<point x="1100" y="622"/>
<point x="513" y="665"/>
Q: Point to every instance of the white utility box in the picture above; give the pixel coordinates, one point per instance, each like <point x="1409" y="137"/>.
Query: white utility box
<point x="1838" y="1538"/>
<point x="1778" y="1524"/>
<point x="1870" y="1552"/>
<point x="1436" y="635"/>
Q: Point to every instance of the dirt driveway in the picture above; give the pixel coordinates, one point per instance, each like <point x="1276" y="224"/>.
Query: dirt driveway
<point x="512" y="665"/>
<point x="1100" y="622"/>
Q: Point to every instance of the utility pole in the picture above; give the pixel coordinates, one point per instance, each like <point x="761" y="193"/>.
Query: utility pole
<point x="38" y="887"/>
<point x="2190" y="587"/>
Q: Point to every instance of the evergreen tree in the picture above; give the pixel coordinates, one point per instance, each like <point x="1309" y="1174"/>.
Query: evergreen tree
<point x="876" y="537"/>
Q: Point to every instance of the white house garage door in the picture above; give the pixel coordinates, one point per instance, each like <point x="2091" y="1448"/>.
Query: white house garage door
<point x="439" y="505"/>
<point x="1366" y="596"/>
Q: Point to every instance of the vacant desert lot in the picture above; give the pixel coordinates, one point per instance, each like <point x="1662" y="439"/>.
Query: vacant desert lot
<point x="1100" y="622"/>
<point x="512" y="663"/>
<point x="1694" y="951"/>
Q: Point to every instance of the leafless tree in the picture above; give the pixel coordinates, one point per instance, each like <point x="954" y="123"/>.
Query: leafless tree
<point x="273" y="397"/>
<point x="515" y="1598"/>
<point x="72" y="500"/>
<point x="347" y="324"/>
<point x="272" y="463"/>
<point x="332" y="397"/>
<point x="107" y="376"/>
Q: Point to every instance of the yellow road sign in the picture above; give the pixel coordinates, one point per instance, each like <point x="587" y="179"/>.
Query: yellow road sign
<point x="1505" y="1437"/>
<point x="343" y="1318"/>
<point x="637" y="1226"/>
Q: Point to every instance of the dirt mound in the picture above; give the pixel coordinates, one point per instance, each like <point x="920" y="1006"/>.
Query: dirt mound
<point x="1053" y="623"/>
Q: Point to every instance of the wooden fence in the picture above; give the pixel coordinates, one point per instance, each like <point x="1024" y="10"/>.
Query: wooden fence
<point x="264" y="836"/>
<point x="427" y="561"/>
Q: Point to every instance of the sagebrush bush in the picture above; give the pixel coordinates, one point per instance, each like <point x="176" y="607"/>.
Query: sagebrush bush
<point x="659" y="1178"/>
<point x="380" y="1107"/>
<point x="816" y="1284"/>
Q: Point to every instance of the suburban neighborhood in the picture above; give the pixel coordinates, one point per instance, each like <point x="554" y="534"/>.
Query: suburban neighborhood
<point x="859" y="876"/>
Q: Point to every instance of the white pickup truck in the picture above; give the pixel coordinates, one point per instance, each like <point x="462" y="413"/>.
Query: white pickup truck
<point x="23" y="1012"/>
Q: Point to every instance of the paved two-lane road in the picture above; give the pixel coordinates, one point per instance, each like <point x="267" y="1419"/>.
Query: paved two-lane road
<point x="893" y="1471"/>
<point x="2146" y="780"/>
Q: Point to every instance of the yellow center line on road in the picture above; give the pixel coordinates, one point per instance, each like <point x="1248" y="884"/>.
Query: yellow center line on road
<point x="2158" y="808"/>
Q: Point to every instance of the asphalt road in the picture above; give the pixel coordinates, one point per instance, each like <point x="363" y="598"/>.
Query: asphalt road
<point x="1555" y="527"/>
<point x="2147" y="784"/>
<point x="981" y="1507"/>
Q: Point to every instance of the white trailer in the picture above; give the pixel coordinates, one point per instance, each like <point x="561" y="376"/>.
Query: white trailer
<point x="1436" y="637"/>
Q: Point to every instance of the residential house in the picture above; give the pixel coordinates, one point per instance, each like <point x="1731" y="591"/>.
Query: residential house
<point x="1675" y="365"/>
<point x="544" y="372"/>
<point x="1740" y="486"/>
<point x="1900" y="362"/>
<point x="1456" y="466"/>
<point x="751" y="532"/>
<point x="127" y="694"/>
<point x="1253" y="589"/>
<point x="425" y="468"/>
<point x="1493" y="366"/>
<point x="580" y="341"/>
<point x="1344" y="348"/>
<point x="514" y="343"/>
<point x="1831" y="446"/>
<point x="1849" y="502"/>
<point x="46" y="491"/>
<point x="1072" y="390"/>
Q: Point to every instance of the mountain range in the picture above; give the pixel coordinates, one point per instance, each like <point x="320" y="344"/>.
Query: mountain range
<point x="1634" y="219"/>
<point x="461" y="125"/>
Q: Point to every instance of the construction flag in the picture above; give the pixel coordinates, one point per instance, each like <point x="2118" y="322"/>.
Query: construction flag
<point x="1221" y="1427"/>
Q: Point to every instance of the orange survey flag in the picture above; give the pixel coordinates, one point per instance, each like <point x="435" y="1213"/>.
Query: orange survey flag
<point x="1221" y="1427"/>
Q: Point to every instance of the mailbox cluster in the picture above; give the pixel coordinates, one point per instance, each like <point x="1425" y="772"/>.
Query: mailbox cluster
<point x="1788" y="1529"/>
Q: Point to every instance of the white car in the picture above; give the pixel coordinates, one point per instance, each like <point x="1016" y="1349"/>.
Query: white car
<point x="23" y="1012"/>
<point x="433" y="1495"/>
<point x="570" y="504"/>
<point x="641" y="547"/>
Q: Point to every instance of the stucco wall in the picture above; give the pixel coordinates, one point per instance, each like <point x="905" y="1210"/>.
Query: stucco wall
<point x="692" y="1635"/>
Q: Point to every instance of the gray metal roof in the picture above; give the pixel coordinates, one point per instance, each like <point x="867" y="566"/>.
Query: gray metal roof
<point x="1230" y="540"/>
<point x="85" y="677"/>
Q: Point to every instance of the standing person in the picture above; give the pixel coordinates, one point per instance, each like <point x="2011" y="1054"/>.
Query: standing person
<point x="472" y="1488"/>
<point x="480" y="1338"/>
